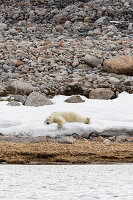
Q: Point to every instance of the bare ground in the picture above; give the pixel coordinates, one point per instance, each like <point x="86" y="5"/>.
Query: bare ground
<point x="81" y="152"/>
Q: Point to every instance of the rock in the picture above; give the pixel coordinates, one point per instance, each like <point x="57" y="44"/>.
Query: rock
<point x="97" y="32"/>
<point x="101" y="93"/>
<point x="112" y="28"/>
<point x="121" y="138"/>
<point x="83" y="67"/>
<point x="8" y="68"/>
<point x="114" y="80"/>
<point x="106" y="141"/>
<point x="2" y="45"/>
<point x="129" y="139"/>
<point x="20" y="87"/>
<point x="3" y="26"/>
<point x="15" y="63"/>
<point x="3" y="91"/>
<point x="36" y="99"/>
<point x="19" y="98"/>
<point x="112" y="139"/>
<point x="67" y="24"/>
<point x="59" y="28"/>
<point x="92" y="61"/>
<point x="119" y="65"/>
<point x="13" y="103"/>
<point x="74" y="99"/>
<point x="75" y="62"/>
<point x="101" y="20"/>
<point x="100" y="139"/>
<point x="61" y="20"/>
<point x="66" y="139"/>
<point x="130" y="27"/>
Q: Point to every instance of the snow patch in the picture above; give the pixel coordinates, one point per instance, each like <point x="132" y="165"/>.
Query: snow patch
<point x="106" y="116"/>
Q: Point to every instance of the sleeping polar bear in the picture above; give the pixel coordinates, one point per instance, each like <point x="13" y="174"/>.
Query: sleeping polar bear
<point x="62" y="117"/>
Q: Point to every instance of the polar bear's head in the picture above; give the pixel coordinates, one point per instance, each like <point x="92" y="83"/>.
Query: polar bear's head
<point x="48" y="120"/>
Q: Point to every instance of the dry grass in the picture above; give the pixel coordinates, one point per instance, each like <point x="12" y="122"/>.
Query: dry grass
<point x="57" y="153"/>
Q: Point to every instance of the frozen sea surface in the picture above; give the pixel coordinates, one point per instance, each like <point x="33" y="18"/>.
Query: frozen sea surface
<point x="69" y="182"/>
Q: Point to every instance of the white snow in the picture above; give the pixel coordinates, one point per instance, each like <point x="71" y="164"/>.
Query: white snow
<point x="106" y="116"/>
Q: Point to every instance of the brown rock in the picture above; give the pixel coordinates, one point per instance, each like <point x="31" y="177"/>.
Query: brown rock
<point x="74" y="99"/>
<point x="101" y="93"/>
<point x="15" y="63"/>
<point x="3" y="91"/>
<point x="59" y="28"/>
<point x="119" y="65"/>
<point x="61" y="20"/>
<point x="129" y="139"/>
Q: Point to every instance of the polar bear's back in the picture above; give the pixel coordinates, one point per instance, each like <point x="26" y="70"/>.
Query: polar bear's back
<point x="69" y="116"/>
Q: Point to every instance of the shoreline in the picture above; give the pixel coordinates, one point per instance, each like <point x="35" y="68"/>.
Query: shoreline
<point x="54" y="153"/>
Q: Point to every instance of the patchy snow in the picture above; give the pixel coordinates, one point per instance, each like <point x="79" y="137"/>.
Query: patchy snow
<point x="112" y="116"/>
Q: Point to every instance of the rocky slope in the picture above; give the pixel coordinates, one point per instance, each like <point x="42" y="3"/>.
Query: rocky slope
<point x="59" y="47"/>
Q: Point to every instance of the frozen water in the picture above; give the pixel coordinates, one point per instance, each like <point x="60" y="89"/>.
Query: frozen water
<point x="70" y="182"/>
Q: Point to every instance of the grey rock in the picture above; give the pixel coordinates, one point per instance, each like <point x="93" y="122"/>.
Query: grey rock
<point x="114" y="80"/>
<point x="7" y="67"/>
<point x="106" y="141"/>
<point x="20" y="87"/>
<point x="130" y="27"/>
<point x="3" y="26"/>
<point x="112" y="28"/>
<point x="101" y="93"/>
<point x="97" y="32"/>
<point x="101" y="20"/>
<point x="19" y="98"/>
<point x="92" y="60"/>
<point x="75" y="62"/>
<point x="66" y="139"/>
<point x="13" y="103"/>
<point x="36" y="99"/>
<point x="121" y="138"/>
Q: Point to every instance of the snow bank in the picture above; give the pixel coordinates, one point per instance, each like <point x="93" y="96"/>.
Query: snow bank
<point x="112" y="116"/>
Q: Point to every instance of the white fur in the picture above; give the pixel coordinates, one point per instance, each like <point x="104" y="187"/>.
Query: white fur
<point x="62" y="117"/>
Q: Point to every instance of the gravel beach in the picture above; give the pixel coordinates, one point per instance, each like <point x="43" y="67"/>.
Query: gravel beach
<point x="81" y="152"/>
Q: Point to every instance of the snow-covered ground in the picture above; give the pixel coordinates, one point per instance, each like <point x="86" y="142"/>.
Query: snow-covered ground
<point x="106" y="116"/>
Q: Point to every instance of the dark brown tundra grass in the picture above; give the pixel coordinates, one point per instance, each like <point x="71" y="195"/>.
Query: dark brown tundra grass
<point x="81" y="152"/>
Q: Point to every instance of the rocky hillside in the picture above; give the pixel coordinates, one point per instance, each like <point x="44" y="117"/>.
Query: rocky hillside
<point x="67" y="47"/>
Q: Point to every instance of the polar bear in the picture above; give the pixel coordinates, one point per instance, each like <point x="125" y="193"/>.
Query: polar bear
<point x="62" y="117"/>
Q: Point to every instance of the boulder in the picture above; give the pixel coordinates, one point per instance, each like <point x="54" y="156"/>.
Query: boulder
<point x="36" y="99"/>
<point x="92" y="60"/>
<point x="101" y="93"/>
<point x="119" y="65"/>
<point x="20" y="87"/>
<point x="3" y="91"/>
<point x="13" y="103"/>
<point x="74" y="99"/>
<point x="19" y="98"/>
